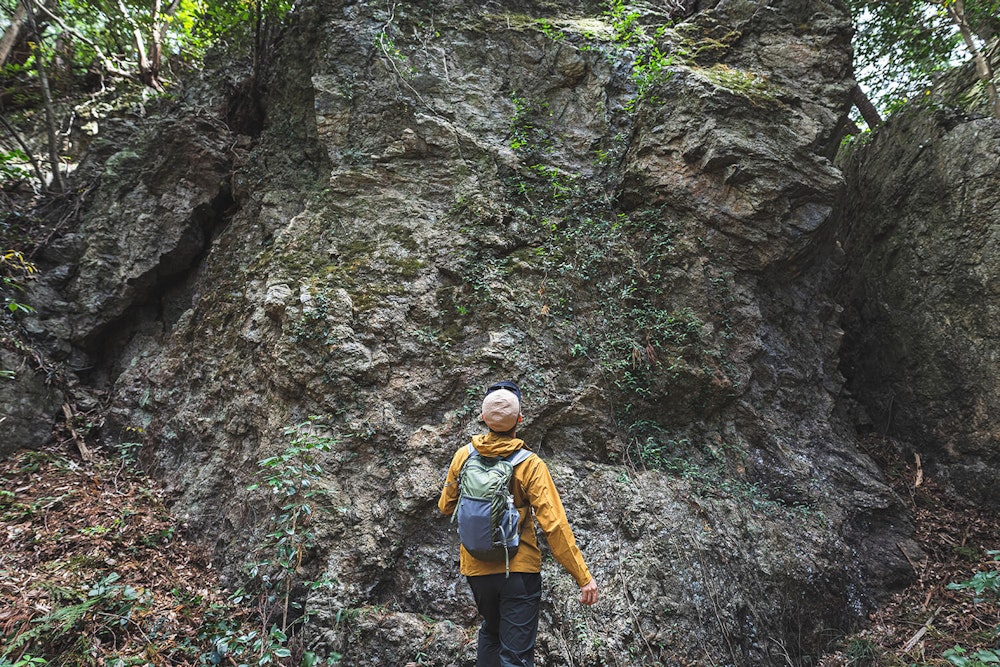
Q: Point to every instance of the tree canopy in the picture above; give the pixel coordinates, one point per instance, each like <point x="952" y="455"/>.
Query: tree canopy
<point x="48" y="47"/>
<point x="901" y="46"/>
<point x="128" y="37"/>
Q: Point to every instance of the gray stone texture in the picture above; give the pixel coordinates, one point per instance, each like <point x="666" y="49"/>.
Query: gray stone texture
<point x="446" y="194"/>
<point x="922" y="240"/>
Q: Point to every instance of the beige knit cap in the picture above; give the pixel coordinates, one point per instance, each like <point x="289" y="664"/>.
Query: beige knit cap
<point x="501" y="410"/>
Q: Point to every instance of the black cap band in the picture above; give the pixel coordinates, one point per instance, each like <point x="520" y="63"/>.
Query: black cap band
<point x="505" y="384"/>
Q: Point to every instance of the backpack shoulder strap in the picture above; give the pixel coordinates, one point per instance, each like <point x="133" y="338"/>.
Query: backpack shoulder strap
<point x="518" y="456"/>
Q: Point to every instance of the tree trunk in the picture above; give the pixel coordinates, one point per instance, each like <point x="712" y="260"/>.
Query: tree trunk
<point x="156" y="52"/>
<point x="956" y="10"/>
<point x="13" y="33"/>
<point x="867" y="109"/>
<point x="50" y="115"/>
<point x="146" y="72"/>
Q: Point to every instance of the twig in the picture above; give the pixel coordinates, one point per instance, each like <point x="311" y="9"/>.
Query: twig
<point x="80" y="444"/>
<point x="78" y="200"/>
<point x="716" y="608"/>
<point x="922" y="631"/>
<point x="129" y="620"/>
<point x="899" y="545"/>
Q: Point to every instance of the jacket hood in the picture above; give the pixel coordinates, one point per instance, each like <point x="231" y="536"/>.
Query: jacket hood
<point x="491" y="444"/>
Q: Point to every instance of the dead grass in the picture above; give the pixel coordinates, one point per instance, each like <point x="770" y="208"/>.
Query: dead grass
<point x="95" y="571"/>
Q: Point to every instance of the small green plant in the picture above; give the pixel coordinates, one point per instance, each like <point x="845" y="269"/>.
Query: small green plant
<point x="651" y="68"/>
<point x="291" y="478"/>
<point x="627" y="30"/>
<point x="984" y="583"/>
<point x="861" y="652"/>
<point x="104" y="610"/>
<point x="94" y="531"/>
<point x="531" y="126"/>
<point x="960" y="657"/>
<point x="550" y="31"/>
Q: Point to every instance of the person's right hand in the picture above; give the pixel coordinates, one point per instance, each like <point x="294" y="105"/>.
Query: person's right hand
<point x="588" y="593"/>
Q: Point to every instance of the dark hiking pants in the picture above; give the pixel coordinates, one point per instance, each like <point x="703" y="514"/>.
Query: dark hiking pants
<point x="509" y="607"/>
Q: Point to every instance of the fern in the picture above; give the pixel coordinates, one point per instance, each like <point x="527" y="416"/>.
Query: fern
<point x="59" y="622"/>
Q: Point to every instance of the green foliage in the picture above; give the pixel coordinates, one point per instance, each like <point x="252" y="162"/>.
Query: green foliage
<point x="659" y="54"/>
<point x="208" y="22"/>
<point x="13" y="165"/>
<point x="625" y="21"/>
<point x="531" y="127"/>
<point x="291" y="479"/>
<point x="23" y="661"/>
<point x="651" y="65"/>
<point x="650" y="68"/>
<point x="119" y="37"/>
<point x="901" y="45"/>
<point x="550" y="31"/>
<point x="985" y="586"/>
<point x="14" y="270"/>
<point x="984" y="583"/>
<point x="104" y="610"/>
<point x="960" y="657"/>
<point x="861" y="652"/>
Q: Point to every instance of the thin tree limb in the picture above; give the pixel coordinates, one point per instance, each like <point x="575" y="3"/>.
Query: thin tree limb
<point x="50" y="115"/>
<point x="108" y="64"/>
<point x="24" y="147"/>
<point x="81" y="446"/>
<point x="921" y="632"/>
<point x="156" y="35"/>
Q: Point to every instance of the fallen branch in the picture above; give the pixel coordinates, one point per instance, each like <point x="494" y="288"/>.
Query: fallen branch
<point x="85" y="453"/>
<point x="922" y="631"/>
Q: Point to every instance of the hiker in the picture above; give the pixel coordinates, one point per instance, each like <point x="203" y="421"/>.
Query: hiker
<point x="507" y="586"/>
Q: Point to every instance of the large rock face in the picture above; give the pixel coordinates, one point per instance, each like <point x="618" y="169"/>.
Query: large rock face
<point x="449" y="194"/>
<point x="923" y="294"/>
<point x="27" y="403"/>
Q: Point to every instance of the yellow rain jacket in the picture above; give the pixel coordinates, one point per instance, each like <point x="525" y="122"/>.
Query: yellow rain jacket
<point x="532" y="488"/>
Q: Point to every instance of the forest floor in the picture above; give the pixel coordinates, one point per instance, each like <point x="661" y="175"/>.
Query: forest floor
<point x="94" y="570"/>
<point x="950" y="614"/>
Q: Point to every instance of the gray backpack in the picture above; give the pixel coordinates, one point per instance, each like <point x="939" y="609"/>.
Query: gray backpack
<point x="488" y="522"/>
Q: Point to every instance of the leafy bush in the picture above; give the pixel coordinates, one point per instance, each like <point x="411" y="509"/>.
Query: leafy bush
<point x="274" y="568"/>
